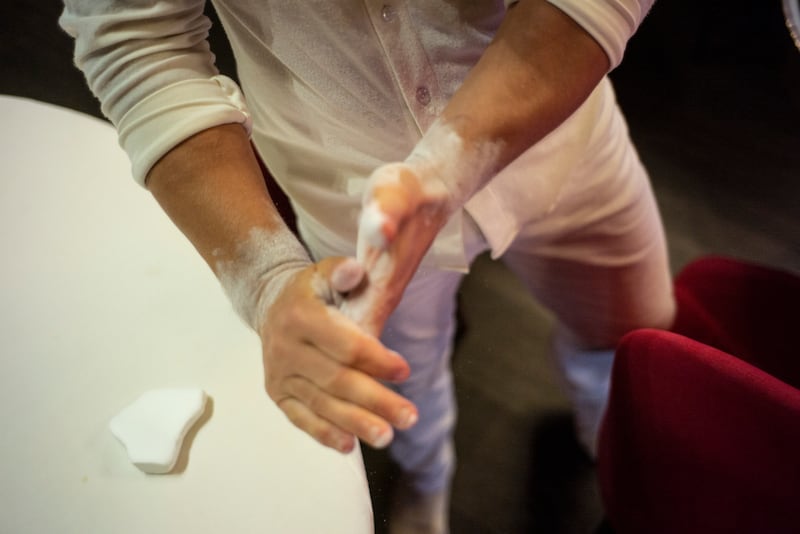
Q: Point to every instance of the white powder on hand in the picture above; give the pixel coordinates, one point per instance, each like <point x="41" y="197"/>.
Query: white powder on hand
<point x="370" y="230"/>
<point x="263" y="264"/>
<point x="443" y="160"/>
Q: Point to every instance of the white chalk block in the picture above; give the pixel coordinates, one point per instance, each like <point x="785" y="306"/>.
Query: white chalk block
<point x="153" y="427"/>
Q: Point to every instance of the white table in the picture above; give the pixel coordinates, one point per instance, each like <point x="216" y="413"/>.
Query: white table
<point x="102" y="298"/>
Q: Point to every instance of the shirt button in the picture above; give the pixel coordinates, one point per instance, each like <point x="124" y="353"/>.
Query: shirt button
<point x="423" y="95"/>
<point x="388" y="13"/>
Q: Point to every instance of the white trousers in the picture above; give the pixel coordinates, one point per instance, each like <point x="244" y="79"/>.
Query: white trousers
<point x="597" y="259"/>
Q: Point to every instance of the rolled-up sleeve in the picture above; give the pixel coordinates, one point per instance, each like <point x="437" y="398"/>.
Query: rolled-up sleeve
<point x="149" y="64"/>
<point x="610" y="22"/>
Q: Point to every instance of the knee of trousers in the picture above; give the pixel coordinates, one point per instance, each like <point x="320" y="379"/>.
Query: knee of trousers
<point x="606" y="329"/>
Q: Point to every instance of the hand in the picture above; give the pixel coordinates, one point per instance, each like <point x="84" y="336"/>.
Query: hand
<point x="401" y="216"/>
<point x="322" y="370"/>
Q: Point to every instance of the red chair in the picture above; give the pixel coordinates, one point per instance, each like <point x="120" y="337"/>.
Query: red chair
<point x="702" y="432"/>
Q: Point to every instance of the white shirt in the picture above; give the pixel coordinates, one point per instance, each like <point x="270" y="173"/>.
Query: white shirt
<point x="334" y="88"/>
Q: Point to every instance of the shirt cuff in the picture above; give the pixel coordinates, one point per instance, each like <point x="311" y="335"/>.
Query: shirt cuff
<point x="610" y="22"/>
<point x="174" y="113"/>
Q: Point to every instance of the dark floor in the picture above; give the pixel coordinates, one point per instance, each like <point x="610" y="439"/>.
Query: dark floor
<point x="712" y="94"/>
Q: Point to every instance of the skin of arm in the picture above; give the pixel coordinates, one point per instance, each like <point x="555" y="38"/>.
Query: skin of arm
<point x="321" y="368"/>
<point x="537" y="71"/>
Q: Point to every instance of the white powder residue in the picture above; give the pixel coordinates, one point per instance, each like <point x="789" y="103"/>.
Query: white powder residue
<point x="363" y="307"/>
<point x="347" y="275"/>
<point x="442" y="158"/>
<point x="371" y="229"/>
<point x="259" y="270"/>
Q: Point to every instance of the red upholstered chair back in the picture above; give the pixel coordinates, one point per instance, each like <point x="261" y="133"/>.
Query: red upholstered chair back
<point x="696" y="439"/>
<point x="744" y="309"/>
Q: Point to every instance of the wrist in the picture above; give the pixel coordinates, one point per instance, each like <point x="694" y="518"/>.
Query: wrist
<point x="449" y="163"/>
<point x="262" y="266"/>
<point x="439" y="176"/>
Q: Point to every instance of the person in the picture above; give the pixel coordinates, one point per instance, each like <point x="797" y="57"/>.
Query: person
<point x="411" y="136"/>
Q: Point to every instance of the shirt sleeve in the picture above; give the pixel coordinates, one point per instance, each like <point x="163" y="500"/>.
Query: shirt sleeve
<point x="610" y="22"/>
<point x="149" y="64"/>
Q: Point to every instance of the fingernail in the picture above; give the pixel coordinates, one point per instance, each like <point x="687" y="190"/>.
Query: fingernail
<point x="347" y="275"/>
<point x="344" y="444"/>
<point x="401" y="374"/>
<point x="408" y="418"/>
<point x="380" y="437"/>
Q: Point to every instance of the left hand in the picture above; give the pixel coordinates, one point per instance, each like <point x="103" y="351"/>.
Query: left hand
<point x="402" y="214"/>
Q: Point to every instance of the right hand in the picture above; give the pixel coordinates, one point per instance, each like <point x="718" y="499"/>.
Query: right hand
<point x="322" y="369"/>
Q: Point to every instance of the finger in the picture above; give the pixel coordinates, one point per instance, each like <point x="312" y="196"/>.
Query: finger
<point x="343" y="415"/>
<point x="393" y="196"/>
<point x="336" y="337"/>
<point x="342" y="339"/>
<point x="346" y="275"/>
<point x="351" y="346"/>
<point x="318" y="428"/>
<point x="369" y="394"/>
<point x="354" y="387"/>
<point x="396" y="190"/>
<point x="376" y="228"/>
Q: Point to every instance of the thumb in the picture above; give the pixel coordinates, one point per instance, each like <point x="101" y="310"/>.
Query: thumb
<point x="393" y="196"/>
<point x="342" y="274"/>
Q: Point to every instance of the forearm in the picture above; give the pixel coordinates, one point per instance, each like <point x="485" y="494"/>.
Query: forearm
<point x="537" y="71"/>
<point x="212" y="188"/>
<point x="539" y="68"/>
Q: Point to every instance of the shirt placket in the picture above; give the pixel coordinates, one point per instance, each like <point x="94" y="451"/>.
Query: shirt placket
<point x="405" y="55"/>
<point x="418" y="85"/>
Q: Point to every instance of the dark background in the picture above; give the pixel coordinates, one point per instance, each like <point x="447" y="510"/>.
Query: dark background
<point x="712" y="95"/>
